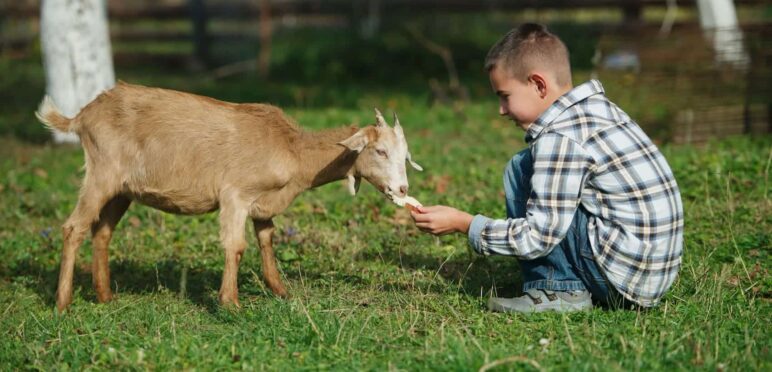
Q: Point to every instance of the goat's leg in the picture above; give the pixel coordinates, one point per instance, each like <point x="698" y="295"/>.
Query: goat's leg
<point x="102" y="232"/>
<point x="232" y="223"/>
<point x="90" y="202"/>
<point x="264" y="231"/>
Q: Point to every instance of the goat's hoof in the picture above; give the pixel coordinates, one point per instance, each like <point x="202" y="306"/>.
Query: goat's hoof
<point x="104" y="297"/>
<point x="61" y="307"/>
<point x="230" y="302"/>
<point x="281" y="293"/>
<point x="63" y="303"/>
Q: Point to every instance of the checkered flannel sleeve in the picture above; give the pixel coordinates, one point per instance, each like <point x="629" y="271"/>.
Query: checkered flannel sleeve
<point x="560" y="168"/>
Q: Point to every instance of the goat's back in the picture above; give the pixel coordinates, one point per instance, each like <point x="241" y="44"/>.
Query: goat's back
<point x="176" y="151"/>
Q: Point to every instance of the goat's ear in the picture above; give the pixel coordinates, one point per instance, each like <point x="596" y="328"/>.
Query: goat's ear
<point x="356" y="142"/>
<point x="401" y="135"/>
<point x="414" y="164"/>
<point x="353" y="184"/>
<point x="379" y="120"/>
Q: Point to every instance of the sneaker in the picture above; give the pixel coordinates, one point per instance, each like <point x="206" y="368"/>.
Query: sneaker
<point x="538" y="300"/>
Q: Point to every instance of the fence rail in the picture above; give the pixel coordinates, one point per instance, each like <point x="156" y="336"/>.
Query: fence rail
<point x="241" y="9"/>
<point x="677" y="62"/>
<point x="699" y="126"/>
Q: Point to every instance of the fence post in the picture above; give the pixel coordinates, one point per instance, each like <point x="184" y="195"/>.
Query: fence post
<point x="266" y="38"/>
<point x="200" y="38"/>
<point x="632" y="11"/>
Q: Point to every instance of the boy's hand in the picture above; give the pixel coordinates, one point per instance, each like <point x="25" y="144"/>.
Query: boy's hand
<point x="441" y="220"/>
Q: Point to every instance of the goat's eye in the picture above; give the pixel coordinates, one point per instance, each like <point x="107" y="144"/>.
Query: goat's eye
<point x="380" y="152"/>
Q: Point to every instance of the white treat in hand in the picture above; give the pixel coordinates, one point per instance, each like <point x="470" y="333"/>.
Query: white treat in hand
<point x="406" y="201"/>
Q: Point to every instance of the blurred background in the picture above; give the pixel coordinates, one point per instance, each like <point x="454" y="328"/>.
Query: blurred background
<point x="687" y="71"/>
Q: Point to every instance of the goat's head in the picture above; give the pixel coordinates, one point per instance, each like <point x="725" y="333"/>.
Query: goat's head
<point x="382" y="155"/>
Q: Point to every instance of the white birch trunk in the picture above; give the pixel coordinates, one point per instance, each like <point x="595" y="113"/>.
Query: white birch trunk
<point x="718" y="19"/>
<point x="77" y="56"/>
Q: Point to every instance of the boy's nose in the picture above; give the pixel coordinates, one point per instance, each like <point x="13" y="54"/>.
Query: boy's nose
<point x="502" y="110"/>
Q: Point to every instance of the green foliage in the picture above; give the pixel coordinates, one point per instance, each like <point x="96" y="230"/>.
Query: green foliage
<point x="21" y="87"/>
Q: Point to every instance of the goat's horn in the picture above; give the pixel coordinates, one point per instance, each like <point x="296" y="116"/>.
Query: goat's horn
<point x="396" y="120"/>
<point x="379" y="120"/>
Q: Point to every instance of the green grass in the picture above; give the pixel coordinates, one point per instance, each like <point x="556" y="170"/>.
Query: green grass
<point x="368" y="290"/>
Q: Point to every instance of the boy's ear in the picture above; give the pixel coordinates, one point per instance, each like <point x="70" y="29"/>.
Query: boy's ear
<point x="539" y="83"/>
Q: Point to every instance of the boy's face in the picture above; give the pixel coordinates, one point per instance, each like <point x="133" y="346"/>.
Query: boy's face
<point x="520" y="101"/>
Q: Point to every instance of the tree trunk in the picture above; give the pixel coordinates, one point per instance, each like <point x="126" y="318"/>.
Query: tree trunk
<point x="77" y="56"/>
<point x="718" y="19"/>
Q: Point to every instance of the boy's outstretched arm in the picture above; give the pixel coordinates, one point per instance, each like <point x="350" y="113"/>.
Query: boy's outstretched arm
<point x="441" y="220"/>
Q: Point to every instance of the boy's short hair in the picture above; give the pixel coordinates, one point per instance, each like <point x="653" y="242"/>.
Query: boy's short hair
<point x="528" y="47"/>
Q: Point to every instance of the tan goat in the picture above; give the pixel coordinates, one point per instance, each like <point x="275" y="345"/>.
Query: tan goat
<point x="188" y="154"/>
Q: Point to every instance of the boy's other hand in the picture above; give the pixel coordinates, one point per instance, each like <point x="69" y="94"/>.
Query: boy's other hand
<point x="441" y="220"/>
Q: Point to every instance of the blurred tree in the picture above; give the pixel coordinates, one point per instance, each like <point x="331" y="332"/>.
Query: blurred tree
<point x="718" y="19"/>
<point x="76" y="54"/>
<point x="371" y="22"/>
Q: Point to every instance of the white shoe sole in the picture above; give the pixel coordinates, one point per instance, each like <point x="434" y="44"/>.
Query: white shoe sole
<point x="495" y="304"/>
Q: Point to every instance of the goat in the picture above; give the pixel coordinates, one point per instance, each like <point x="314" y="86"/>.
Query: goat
<point x="188" y="154"/>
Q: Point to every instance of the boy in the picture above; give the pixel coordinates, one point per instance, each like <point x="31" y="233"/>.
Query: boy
<point x="593" y="210"/>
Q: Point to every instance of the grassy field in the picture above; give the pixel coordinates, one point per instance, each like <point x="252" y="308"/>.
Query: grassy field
<point x="369" y="291"/>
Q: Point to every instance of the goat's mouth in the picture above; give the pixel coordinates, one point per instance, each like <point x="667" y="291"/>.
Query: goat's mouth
<point x="395" y="198"/>
<point x="403" y="201"/>
<point x="389" y="194"/>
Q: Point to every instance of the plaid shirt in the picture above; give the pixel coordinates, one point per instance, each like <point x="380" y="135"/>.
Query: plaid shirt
<point x="587" y="151"/>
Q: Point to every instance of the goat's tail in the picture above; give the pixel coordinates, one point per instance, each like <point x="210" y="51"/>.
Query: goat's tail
<point x="49" y="115"/>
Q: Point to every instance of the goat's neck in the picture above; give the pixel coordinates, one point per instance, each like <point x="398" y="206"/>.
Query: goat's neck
<point x="322" y="159"/>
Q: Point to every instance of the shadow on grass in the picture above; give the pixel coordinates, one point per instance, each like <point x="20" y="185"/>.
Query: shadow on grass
<point x="471" y="276"/>
<point x="137" y="277"/>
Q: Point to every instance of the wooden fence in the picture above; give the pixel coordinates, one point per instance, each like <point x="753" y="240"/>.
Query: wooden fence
<point x="700" y="125"/>
<point x="707" y="99"/>
<point x="187" y="22"/>
<point x="323" y="12"/>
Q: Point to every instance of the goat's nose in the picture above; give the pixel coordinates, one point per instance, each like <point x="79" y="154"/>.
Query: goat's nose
<point x="403" y="190"/>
